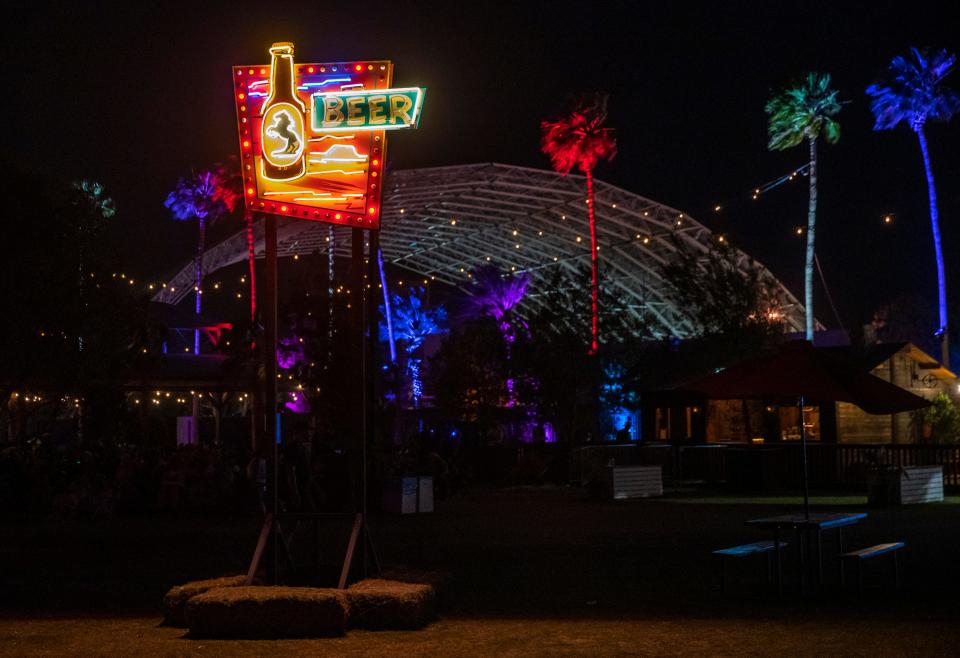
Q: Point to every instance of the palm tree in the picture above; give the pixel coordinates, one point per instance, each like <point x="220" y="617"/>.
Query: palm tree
<point x="95" y="208"/>
<point x="206" y="196"/>
<point x="496" y="296"/>
<point x="580" y="139"/>
<point x="412" y="322"/>
<point x="93" y="199"/>
<point x="911" y="94"/>
<point x="802" y="113"/>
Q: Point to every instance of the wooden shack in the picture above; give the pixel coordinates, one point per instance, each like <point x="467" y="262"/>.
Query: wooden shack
<point x="679" y="417"/>
<point x="907" y="366"/>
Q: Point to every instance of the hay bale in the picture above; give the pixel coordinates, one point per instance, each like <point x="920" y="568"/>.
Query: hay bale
<point x="378" y="604"/>
<point x="442" y="582"/>
<point x="175" y="601"/>
<point x="267" y="612"/>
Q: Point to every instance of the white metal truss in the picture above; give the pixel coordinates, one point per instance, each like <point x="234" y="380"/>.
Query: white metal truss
<point x="445" y="222"/>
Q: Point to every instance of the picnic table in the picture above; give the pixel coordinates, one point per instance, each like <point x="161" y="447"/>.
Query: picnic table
<point x="804" y="525"/>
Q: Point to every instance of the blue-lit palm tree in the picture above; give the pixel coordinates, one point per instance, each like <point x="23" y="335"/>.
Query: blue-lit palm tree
<point x="799" y="113"/>
<point x="206" y="196"/>
<point x="412" y="323"/>
<point x="911" y="93"/>
<point x="497" y="296"/>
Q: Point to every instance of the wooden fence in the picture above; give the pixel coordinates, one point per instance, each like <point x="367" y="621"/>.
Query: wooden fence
<point x="769" y="467"/>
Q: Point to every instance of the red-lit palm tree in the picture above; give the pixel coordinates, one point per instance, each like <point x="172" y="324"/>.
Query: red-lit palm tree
<point x="580" y="139"/>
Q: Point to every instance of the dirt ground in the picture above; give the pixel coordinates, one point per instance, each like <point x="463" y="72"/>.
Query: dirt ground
<point x="500" y="637"/>
<point x="535" y="571"/>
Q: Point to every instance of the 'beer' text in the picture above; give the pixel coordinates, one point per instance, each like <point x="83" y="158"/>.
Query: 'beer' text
<point x="378" y="109"/>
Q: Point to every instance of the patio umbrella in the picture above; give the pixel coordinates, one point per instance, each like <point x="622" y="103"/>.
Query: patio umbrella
<point x="799" y="372"/>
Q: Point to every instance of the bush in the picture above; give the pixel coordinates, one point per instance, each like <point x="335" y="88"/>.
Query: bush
<point x="939" y="423"/>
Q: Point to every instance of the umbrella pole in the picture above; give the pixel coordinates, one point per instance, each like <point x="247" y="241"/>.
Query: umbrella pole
<point x="803" y="461"/>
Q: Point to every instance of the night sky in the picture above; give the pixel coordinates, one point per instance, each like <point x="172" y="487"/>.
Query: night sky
<point x="135" y="96"/>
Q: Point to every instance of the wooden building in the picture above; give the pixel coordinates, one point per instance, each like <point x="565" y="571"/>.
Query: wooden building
<point x="681" y="418"/>
<point x="909" y="367"/>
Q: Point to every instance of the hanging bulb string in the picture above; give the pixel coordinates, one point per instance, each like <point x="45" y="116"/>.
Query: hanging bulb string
<point x="648" y="237"/>
<point x="763" y="188"/>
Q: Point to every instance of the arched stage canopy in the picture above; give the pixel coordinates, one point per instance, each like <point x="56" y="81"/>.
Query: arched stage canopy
<point x="445" y="222"/>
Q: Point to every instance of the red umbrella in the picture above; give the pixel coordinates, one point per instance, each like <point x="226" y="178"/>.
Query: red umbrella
<point x="799" y="372"/>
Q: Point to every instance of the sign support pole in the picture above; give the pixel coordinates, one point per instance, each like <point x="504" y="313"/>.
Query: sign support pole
<point x="270" y="386"/>
<point x="371" y="368"/>
<point x="357" y="239"/>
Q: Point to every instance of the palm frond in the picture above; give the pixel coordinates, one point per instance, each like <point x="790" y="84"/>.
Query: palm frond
<point x="911" y="91"/>
<point x="209" y="194"/>
<point x="803" y="112"/>
<point x="579" y="139"/>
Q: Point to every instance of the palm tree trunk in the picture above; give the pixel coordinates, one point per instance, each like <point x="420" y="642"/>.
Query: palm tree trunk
<point x="511" y="383"/>
<point x="416" y="386"/>
<point x="195" y="406"/>
<point x="938" y="251"/>
<point x="202" y="223"/>
<point x="811" y="234"/>
<point x="253" y="273"/>
<point x="594" y="275"/>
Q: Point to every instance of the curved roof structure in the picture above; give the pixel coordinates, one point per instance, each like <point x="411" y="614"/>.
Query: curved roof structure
<point x="445" y="222"/>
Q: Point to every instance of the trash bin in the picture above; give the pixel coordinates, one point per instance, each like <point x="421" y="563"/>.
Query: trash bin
<point x="400" y="495"/>
<point x="425" y="494"/>
<point x="883" y="486"/>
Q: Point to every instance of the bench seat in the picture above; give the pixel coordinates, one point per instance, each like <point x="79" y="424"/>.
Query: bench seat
<point x="873" y="551"/>
<point x="749" y="549"/>
<point x="862" y="554"/>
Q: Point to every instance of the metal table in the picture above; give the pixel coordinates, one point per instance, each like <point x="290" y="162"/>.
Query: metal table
<point x="804" y="525"/>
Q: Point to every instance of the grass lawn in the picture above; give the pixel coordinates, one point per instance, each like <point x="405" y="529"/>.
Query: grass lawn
<point x="535" y="571"/>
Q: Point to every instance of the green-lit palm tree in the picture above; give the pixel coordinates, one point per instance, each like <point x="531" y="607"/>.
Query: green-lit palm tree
<point x="94" y="208"/>
<point x="799" y="113"/>
<point x="911" y="93"/>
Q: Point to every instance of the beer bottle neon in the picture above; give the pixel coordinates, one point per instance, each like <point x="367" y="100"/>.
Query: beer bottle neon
<point x="282" y="134"/>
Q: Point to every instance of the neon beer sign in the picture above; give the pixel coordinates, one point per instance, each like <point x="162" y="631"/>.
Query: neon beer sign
<point x="313" y="136"/>
<point x="367" y="110"/>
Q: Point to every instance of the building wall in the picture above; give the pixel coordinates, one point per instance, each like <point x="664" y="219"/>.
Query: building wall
<point x="857" y="426"/>
<point x="734" y="420"/>
<point x="854" y="425"/>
